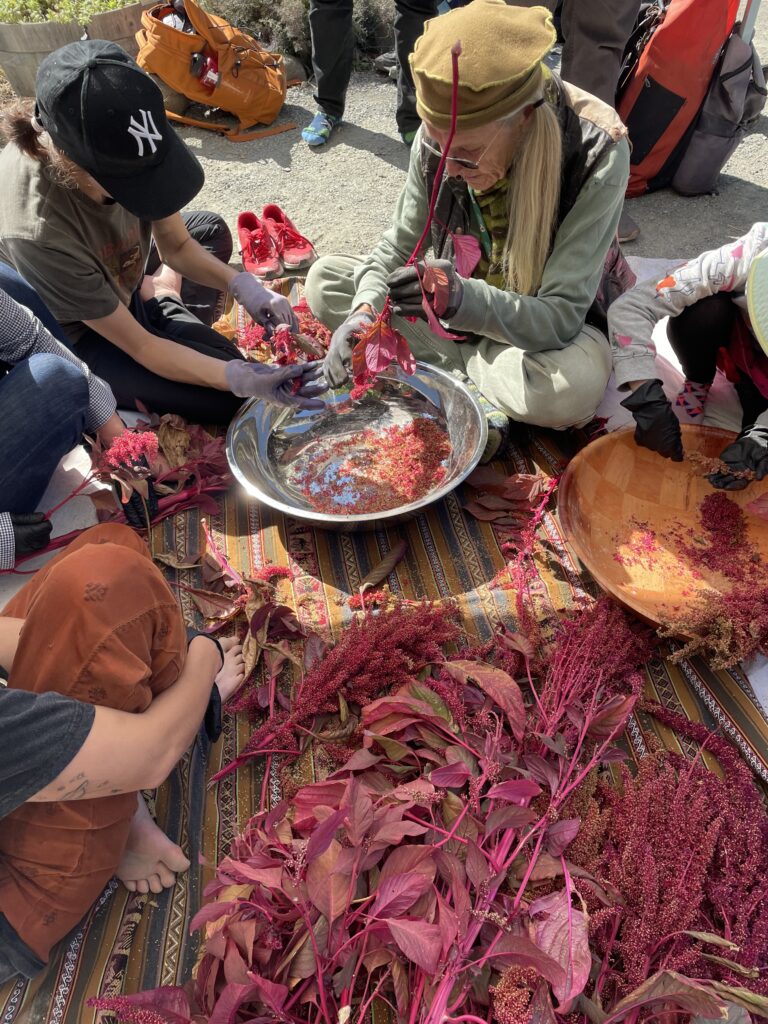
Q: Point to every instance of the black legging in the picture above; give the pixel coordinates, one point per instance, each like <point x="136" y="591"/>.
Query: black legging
<point x="697" y="334"/>
<point x="187" y="323"/>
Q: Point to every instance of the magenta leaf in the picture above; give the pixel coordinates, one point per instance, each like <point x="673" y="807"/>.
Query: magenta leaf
<point x="323" y="835"/>
<point x="380" y="346"/>
<point x="466" y="253"/>
<point x="611" y="718"/>
<point x="561" y="834"/>
<point x="515" y="791"/>
<point x="421" y="942"/>
<point x="451" y="776"/>
<point x="404" y="356"/>
<point x="668" y="988"/>
<point x="562" y="933"/>
<point x="517" y="949"/>
<point x="499" y="686"/>
<point x="409" y="858"/>
<point x="398" y="893"/>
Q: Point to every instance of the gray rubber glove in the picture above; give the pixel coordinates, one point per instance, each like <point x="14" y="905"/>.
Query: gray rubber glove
<point x="748" y="451"/>
<point x="275" y="383"/>
<point x="344" y="339"/>
<point x="265" y="306"/>
<point x="657" y="426"/>
<point x="406" y="296"/>
<point x="31" y="531"/>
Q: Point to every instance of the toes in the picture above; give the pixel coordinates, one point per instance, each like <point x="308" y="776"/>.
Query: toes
<point x="142" y="886"/>
<point x="155" y="885"/>
<point x="130" y="886"/>
<point x="166" y="876"/>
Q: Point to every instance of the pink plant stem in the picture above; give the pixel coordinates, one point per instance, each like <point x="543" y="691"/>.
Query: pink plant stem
<point x="54" y="545"/>
<point x="435" y="828"/>
<point x="568" y="890"/>
<point x="88" y="479"/>
<point x="417" y="999"/>
<point x="455" y="51"/>
<point x="529" y="871"/>
<point x="318" y="961"/>
<point x="469" y="1017"/>
<point x="364" y="1007"/>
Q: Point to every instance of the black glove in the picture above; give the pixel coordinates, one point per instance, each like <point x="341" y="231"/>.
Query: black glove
<point x="136" y="509"/>
<point x="657" y="426"/>
<point x="748" y="452"/>
<point x="406" y="295"/>
<point x="31" y="531"/>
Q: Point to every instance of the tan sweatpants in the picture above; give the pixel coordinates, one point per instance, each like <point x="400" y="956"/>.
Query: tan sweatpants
<point x="556" y="388"/>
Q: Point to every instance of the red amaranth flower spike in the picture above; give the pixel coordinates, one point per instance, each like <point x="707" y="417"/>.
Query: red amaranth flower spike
<point x="129" y="448"/>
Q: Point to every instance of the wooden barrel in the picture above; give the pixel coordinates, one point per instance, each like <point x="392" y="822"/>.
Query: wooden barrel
<point x="23" y="46"/>
<point x="119" y="26"/>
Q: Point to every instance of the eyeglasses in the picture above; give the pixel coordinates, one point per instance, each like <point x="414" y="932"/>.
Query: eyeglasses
<point x="474" y="165"/>
<point x="469" y="165"/>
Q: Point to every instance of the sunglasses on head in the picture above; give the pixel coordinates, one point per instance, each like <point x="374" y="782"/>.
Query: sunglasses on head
<point x="471" y="165"/>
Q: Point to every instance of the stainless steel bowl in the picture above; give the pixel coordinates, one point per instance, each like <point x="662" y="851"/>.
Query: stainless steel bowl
<point x="266" y="443"/>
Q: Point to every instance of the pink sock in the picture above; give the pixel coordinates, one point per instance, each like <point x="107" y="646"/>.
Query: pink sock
<point x="691" y="400"/>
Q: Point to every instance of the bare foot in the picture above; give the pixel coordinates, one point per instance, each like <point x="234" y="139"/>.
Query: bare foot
<point x="164" y="281"/>
<point x="150" y="860"/>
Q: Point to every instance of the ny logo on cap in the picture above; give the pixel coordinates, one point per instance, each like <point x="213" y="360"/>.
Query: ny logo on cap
<point x="144" y="130"/>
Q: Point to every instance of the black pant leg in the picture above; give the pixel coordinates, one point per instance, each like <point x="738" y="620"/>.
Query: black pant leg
<point x="596" y="32"/>
<point x="410" y="16"/>
<point x="697" y="334"/>
<point x="130" y="381"/>
<point x="333" y="49"/>
<point x="211" y="231"/>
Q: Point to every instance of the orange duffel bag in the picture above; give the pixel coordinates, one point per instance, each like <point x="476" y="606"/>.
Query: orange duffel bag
<point x="251" y="84"/>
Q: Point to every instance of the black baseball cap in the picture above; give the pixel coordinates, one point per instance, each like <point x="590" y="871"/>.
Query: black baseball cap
<point x="107" y="115"/>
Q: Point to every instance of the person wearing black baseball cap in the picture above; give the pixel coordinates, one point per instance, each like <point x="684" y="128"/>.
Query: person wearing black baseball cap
<point x="93" y="182"/>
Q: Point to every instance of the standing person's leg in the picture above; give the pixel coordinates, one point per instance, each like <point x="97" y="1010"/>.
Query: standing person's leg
<point x="15" y="285"/>
<point x="169" y="318"/>
<point x="122" y="641"/>
<point x="333" y="50"/>
<point x="209" y="230"/>
<point x="45" y="402"/>
<point x="596" y="32"/>
<point x="410" y="16"/>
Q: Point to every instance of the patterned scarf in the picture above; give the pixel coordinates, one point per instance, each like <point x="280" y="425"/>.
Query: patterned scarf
<point x="492" y="206"/>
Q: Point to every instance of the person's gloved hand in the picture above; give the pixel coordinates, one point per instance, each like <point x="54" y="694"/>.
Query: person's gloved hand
<point x="344" y="339"/>
<point x="275" y="383"/>
<point x="31" y="531"/>
<point x="265" y="306"/>
<point x="748" y="452"/>
<point x="405" y="290"/>
<point x="657" y="426"/>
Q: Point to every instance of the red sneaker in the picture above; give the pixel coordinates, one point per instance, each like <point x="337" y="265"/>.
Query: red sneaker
<point x="295" y="250"/>
<point x="257" y="246"/>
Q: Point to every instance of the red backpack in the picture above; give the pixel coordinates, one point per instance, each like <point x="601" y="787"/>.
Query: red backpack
<point x="661" y="96"/>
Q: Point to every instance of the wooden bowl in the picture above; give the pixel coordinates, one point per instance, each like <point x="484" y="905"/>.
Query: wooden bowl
<point x="622" y="507"/>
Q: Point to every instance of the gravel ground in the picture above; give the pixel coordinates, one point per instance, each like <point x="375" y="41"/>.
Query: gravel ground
<point x="342" y="195"/>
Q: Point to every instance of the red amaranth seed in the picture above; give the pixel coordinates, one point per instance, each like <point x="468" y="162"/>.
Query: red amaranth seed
<point x="374" y="471"/>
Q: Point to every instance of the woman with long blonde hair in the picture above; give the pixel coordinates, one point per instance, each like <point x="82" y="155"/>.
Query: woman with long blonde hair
<point x="536" y="173"/>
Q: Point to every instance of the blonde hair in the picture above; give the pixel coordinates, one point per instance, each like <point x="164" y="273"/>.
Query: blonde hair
<point x="533" y="197"/>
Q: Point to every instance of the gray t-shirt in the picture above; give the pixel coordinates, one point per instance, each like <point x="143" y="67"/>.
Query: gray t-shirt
<point x="81" y="257"/>
<point x="43" y="732"/>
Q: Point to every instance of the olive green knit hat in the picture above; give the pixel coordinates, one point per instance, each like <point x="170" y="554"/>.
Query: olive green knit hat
<point x="500" y="66"/>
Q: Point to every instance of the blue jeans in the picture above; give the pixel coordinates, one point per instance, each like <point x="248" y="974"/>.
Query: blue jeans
<point x="15" y="285"/>
<point x="43" y="406"/>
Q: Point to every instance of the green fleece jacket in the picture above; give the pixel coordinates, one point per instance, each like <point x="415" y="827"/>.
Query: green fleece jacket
<point x="556" y="314"/>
